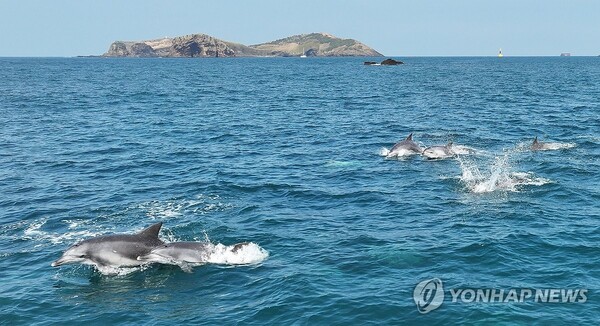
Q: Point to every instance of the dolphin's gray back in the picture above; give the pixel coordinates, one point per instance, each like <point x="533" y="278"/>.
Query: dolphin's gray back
<point x="407" y="144"/>
<point x="398" y="145"/>
<point x="104" y="249"/>
<point x="189" y="252"/>
<point x="133" y="238"/>
<point x="414" y="147"/>
<point x="192" y="245"/>
<point x="446" y="149"/>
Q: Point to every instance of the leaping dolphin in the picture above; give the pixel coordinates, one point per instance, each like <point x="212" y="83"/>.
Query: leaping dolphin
<point x="116" y="250"/>
<point x="404" y="148"/>
<point x="439" y="152"/>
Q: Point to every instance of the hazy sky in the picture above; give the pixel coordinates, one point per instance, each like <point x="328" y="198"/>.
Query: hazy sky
<point x="404" y="28"/>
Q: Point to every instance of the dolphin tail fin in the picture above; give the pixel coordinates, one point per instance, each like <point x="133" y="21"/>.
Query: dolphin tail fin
<point x="152" y="230"/>
<point x="409" y="136"/>
<point x="449" y="144"/>
<point x="535" y="141"/>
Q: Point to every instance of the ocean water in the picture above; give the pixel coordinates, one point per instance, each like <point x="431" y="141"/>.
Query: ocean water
<point x="286" y="153"/>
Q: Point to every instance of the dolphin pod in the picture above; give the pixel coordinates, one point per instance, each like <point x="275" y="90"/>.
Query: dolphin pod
<point x="407" y="147"/>
<point x="130" y="250"/>
<point x="144" y="247"/>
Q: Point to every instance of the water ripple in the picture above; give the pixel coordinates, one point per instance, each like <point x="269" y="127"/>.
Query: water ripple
<point x="284" y="153"/>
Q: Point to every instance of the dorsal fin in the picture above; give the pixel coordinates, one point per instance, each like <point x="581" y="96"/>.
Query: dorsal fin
<point x="151" y="231"/>
<point x="409" y="137"/>
<point x="535" y="141"/>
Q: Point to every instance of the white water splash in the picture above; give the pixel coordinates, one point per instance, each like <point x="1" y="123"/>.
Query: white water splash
<point x="118" y="271"/>
<point x="498" y="178"/>
<point x="248" y="254"/>
<point x="384" y="151"/>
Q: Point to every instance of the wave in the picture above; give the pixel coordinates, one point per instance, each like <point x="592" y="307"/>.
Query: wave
<point x="119" y="271"/>
<point x="341" y="164"/>
<point x="34" y="232"/>
<point x="202" y="204"/>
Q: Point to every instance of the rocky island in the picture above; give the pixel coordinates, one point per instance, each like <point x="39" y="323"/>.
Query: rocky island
<point x="202" y="45"/>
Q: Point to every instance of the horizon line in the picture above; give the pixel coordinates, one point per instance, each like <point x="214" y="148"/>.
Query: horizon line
<point x="393" y="55"/>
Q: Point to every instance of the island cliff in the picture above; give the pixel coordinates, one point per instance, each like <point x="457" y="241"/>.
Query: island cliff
<point x="202" y="45"/>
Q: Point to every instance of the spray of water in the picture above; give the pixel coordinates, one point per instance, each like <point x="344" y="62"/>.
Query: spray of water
<point x="497" y="177"/>
<point x="246" y="254"/>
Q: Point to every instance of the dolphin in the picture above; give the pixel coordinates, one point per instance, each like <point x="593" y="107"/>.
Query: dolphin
<point x="178" y="252"/>
<point x="438" y="152"/>
<point x="540" y="146"/>
<point x="186" y="254"/>
<point x="404" y="148"/>
<point x="546" y="146"/>
<point x="115" y="250"/>
<point x="537" y="145"/>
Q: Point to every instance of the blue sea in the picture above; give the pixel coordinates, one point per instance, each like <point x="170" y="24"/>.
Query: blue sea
<point x="286" y="153"/>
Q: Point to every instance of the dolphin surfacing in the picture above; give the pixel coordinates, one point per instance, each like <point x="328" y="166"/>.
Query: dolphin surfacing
<point x="548" y="146"/>
<point x="537" y="145"/>
<point x="116" y="250"/>
<point x="178" y="252"/>
<point x="188" y="254"/>
<point x="543" y="146"/>
<point x="439" y="152"/>
<point x="405" y="147"/>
